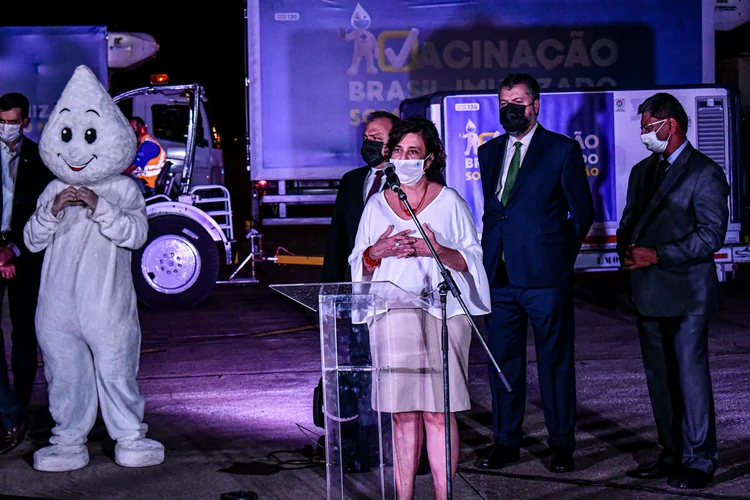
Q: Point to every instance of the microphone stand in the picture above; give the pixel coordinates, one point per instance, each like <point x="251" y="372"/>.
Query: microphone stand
<point x="448" y="284"/>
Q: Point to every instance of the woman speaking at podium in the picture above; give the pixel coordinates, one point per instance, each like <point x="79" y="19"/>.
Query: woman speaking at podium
<point x="388" y="247"/>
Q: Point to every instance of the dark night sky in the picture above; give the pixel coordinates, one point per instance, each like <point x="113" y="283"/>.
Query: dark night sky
<point x="181" y="33"/>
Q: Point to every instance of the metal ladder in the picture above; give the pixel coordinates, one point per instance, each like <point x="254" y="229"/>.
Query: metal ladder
<point x="207" y="197"/>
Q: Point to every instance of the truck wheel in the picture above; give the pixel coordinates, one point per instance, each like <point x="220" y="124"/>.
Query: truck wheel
<point x="178" y="266"/>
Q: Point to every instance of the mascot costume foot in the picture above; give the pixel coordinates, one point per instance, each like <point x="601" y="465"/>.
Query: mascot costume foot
<point x="88" y="221"/>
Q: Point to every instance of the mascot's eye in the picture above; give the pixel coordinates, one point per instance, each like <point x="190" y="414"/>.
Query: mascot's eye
<point x="90" y="135"/>
<point x="66" y="135"/>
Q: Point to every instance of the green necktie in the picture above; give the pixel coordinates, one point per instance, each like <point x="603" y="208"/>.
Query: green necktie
<point x="515" y="164"/>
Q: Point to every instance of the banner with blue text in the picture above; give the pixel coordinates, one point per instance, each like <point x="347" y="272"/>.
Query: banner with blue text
<point x="318" y="68"/>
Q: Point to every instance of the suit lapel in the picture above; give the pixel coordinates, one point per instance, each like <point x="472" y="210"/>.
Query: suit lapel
<point x="21" y="173"/>
<point x="359" y="202"/>
<point x="497" y="168"/>
<point x="23" y="160"/>
<point x="530" y="160"/>
<point x="676" y="171"/>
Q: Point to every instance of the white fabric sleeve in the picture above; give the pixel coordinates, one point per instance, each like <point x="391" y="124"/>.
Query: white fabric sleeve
<point x="41" y="228"/>
<point x="126" y="225"/>
<point x="361" y="242"/>
<point x="476" y="290"/>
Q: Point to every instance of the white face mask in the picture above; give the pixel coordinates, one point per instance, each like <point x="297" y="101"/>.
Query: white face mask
<point x="409" y="171"/>
<point x="652" y="143"/>
<point x="9" y="132"/>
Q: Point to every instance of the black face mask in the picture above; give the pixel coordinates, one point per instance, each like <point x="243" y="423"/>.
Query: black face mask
<point x="372" y="153"/>
<point x="513" y="117"/>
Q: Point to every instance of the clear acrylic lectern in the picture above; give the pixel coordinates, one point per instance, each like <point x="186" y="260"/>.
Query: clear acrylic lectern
<point x="356" y="384"/>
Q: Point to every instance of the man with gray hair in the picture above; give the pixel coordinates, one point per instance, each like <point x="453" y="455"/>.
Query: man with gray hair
<point x="674" y="220"/>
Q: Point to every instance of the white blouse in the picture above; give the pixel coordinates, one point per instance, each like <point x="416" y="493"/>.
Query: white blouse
<point x="449" y="217"/>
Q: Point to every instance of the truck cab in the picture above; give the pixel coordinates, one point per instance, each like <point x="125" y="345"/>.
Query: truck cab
<point x="166" y="116"/>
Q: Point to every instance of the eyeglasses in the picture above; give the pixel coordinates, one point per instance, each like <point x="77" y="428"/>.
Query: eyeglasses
<point x="650" y="126"/>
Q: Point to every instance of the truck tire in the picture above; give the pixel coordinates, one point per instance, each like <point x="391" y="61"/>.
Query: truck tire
<point x="178" y="266"/>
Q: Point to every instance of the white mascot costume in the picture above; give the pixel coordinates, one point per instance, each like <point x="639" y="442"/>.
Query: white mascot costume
<point x="89" y="220"/>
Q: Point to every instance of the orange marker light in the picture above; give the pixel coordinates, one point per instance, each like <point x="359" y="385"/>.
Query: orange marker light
<point x="159" y="78"/>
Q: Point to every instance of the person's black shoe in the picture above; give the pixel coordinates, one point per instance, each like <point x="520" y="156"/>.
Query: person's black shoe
<point x="11" y="438"/>
<point x="498" y="457"/>
<point x="655" y="470"/>
<point x="691" y="479"/>
<point x="562" y="460"/>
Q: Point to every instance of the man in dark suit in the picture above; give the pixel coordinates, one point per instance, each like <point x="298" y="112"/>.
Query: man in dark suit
<point x="674" y="220"/>
<point x="537" y="211"/>
<point x="355" y="188"/>
<point x="24" y="177"/>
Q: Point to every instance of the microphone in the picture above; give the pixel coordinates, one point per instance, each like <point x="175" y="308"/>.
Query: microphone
<point x="394" y="184"/>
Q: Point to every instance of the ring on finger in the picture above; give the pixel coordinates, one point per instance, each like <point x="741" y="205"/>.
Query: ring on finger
<point x="397" y="243"/>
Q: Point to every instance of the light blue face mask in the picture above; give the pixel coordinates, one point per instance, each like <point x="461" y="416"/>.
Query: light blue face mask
<point x="9" y="132"/>
<point x="409" y="171"/>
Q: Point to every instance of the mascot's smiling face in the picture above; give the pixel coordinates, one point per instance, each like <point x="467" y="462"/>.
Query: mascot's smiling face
<point x="87" y="138"/>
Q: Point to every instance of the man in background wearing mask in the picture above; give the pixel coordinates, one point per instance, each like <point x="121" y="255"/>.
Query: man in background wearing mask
<point x="355" y="188"/>
<point x="24" y="177"/>
<point x="674" y="220"/>
<point x="537" y="211"/>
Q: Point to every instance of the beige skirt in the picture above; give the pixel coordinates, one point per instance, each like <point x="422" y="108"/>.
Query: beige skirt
<point x="407" y="347"/>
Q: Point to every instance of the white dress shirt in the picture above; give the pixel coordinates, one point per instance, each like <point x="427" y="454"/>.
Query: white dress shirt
<point x="673" y="157"/>
<point x="510" y="150"/>
<point x="369" y="180"/>
<point x="9" y="159"/>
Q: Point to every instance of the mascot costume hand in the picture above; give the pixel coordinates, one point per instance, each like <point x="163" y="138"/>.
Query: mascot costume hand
<point x="89" y="220"/>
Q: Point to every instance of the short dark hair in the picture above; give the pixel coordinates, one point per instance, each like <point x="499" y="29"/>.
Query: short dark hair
<point x="433" y="145"/>
<point x="379" y="115"/>
<point x="139" y="121"/>
<point x="663" y="105"/>
<point x="514" y="79"/>
<point x="15" y="100"/>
